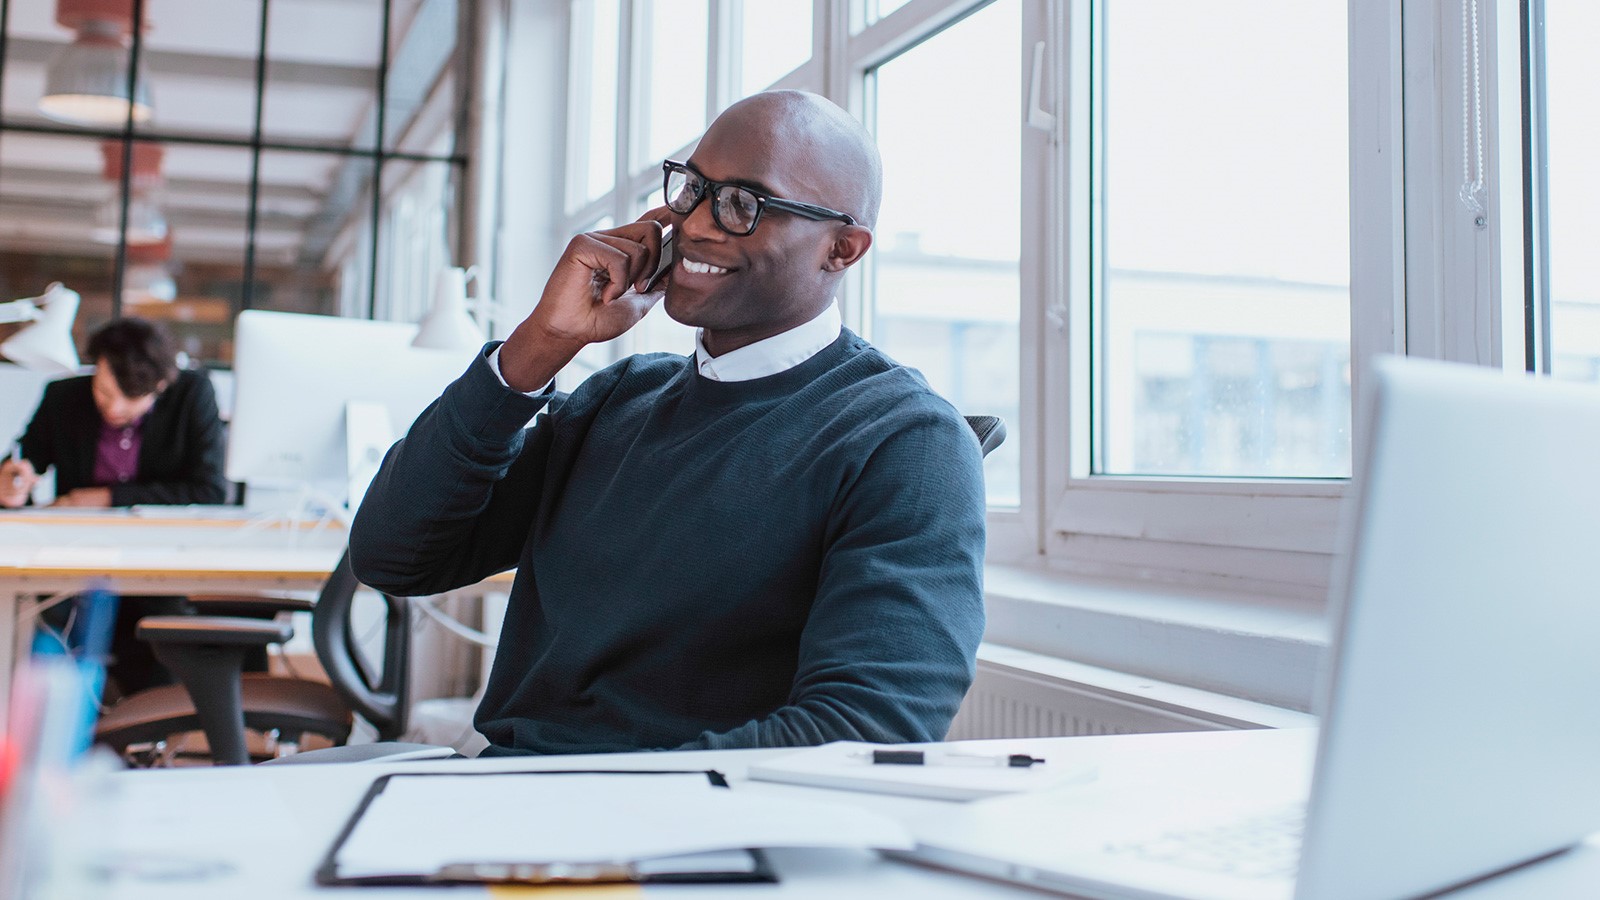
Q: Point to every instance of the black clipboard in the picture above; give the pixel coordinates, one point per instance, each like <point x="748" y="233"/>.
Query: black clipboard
<point x="482" y="873"/>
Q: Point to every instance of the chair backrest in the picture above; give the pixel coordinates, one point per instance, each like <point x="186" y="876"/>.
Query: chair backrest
<point x="376" y="693"/>
<point x="991" y="431"/>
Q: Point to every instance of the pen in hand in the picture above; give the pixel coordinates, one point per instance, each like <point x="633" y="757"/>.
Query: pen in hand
<point x="12" y="457"/>
<point x="919" y="758"/>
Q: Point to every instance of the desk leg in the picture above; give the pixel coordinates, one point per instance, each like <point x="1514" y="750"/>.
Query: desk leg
<point x="14" y="648"/>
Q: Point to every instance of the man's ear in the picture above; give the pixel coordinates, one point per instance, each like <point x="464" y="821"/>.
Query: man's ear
<point x="849" y="245"/>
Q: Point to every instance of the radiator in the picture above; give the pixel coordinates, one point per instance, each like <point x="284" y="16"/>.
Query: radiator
<point x="1022" y="694"/>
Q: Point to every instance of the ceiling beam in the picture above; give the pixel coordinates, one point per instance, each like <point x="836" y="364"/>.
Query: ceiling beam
<point x="184" y="220"/>
<point x="77" y="183"/>
<point x="206" y="66"/>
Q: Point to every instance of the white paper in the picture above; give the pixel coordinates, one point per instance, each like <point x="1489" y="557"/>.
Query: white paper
<point x="422" y="823"/>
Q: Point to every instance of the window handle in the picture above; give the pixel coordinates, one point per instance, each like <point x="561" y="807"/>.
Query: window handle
<point x="1038" y="116"/>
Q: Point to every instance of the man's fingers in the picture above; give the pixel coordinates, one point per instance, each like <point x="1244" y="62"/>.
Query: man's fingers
<point x="640" y="255"/>
<point x="603" y="266"/>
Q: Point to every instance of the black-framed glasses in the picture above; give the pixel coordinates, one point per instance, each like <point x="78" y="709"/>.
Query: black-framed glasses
<point x="735" y="208"/>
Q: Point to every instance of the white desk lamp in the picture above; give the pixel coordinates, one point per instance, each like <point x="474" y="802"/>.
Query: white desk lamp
<point x="450" y="325"/>
<point x="45" y="344"/>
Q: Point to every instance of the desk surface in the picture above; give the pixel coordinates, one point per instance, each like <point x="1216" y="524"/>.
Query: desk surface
<point x="172" y="551"/>
<point x="209" y="833"/>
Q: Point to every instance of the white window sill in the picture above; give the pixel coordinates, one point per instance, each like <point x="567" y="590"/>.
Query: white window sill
<point x="1266" y="649"/>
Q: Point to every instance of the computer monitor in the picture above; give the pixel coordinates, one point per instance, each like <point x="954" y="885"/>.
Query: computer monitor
<point x="318" y="399"/>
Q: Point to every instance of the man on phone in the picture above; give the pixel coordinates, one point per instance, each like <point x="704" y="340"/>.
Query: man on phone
<point x="776" y="540"/>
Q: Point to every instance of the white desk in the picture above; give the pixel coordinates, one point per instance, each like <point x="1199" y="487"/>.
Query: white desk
<point x="260" y="832"/>
<point x="48" y="552"/>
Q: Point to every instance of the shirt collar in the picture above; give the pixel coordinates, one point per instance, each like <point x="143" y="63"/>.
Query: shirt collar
<point x="771" y="355"/>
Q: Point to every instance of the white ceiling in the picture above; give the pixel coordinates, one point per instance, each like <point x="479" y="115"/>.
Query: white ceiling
<point x="321" y="89"/>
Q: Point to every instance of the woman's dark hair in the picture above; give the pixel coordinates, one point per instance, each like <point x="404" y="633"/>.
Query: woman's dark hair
<point x="141" y="354"/>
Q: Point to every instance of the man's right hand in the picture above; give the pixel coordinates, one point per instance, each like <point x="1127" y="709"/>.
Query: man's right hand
<point x="17" y="479"/>
<point x="589" y="299"/>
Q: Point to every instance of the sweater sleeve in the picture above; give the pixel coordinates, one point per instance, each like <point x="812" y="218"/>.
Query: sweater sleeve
<point x="200" y="478"/>
<point x="889" y="649"/>
<point x="454" y="499"/>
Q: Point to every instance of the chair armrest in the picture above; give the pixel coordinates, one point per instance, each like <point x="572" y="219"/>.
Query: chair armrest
<point x="250" y="605"/>
<point x="213" y="630"/>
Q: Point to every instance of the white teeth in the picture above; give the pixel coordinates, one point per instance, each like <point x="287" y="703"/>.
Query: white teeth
<point x="700" y="268"/>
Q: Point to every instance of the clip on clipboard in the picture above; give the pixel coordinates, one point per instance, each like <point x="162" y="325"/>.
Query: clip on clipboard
<point x="542" y="828"/>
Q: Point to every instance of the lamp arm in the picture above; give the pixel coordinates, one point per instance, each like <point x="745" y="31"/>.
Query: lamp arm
<point x="18" y="311"/>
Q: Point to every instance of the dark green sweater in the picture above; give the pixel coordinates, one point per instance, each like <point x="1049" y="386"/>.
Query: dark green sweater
<point x="789" y="560"/>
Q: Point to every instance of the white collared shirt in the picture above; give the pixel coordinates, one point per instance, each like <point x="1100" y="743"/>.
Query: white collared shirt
<point x="769" y="356"/>
<point x="772" y="355"/>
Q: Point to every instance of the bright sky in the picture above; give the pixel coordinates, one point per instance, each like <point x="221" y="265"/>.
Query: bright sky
<point x="1572" y="29"/>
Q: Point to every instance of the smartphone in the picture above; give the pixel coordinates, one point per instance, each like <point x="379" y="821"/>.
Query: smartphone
<point x="668" y="257"/>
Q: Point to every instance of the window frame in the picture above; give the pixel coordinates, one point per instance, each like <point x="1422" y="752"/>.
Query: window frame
<point x="1424" y="280"/>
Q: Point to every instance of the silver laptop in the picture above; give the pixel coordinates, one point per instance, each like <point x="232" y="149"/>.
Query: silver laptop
<point x="1460" y="722"/>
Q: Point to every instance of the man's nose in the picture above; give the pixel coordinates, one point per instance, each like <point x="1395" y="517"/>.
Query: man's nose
<point x="699" y="225"/>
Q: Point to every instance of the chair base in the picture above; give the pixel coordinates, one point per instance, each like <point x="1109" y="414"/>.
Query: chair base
<point x="271" y="703"/>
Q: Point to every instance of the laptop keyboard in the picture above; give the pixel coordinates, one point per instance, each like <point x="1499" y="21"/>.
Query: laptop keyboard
<point x="1263" y="845"/>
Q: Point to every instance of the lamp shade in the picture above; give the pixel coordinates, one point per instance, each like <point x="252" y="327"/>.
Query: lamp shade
<point x="46" y="344"/>
<point x="87" y="82"/>
<point x="448" y="325"/>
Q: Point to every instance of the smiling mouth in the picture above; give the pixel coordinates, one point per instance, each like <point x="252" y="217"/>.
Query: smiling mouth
<point x="700" y="268"/>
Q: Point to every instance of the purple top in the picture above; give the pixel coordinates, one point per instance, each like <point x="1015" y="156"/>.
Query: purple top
<point x="116" y="456"/>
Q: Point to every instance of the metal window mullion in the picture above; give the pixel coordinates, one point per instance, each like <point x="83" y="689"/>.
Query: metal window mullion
<point x="627" y="125"/>
<point x="5" y="42"/>
<point x="120" y="269"/>
<point x="247" y="297"/>
<point x="1086" y="426"/>
<point x="1535" y="190"/>
<point x="629" y="122"/>
<point x="725" y="54"/>
<point x="377" y="157"/>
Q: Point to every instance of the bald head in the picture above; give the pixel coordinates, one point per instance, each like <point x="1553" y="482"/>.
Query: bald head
<point x="824" y="150"/>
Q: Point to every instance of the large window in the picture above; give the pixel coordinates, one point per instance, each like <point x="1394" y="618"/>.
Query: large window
<point x="1221" y="292"/>
<point x="1567" y="190"/>
<point x="277" y="155"/>
<point x="945" y="290"/>
<point x="1162" y="238"/>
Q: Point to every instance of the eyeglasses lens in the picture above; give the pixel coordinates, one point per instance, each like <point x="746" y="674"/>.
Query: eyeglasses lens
<point x="736" y="208"/>
<point x="683" y="190"/>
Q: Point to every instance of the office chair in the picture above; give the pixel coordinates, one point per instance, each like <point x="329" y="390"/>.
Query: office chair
<point x="990" y="432"/>
<point x="207" y="653"/>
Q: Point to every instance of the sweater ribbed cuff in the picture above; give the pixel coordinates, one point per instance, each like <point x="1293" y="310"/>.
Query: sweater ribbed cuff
<point x="486" y="406"/>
